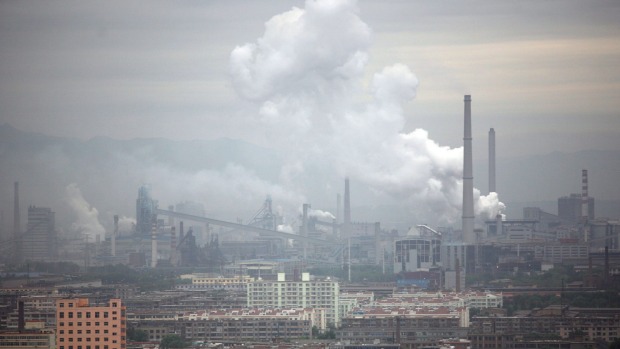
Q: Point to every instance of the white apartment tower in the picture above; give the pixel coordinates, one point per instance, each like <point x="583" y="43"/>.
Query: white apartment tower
<point x="304" y="293"/>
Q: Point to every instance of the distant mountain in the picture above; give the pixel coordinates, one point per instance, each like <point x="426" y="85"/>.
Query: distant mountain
<point x="232" y="178"/>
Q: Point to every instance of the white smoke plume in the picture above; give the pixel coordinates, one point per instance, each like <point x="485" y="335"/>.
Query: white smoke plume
<point x="87" y="220"/>
<point x="306" y="76"/>
<point x="126" y="225"/>
<point x="321" y="215"/>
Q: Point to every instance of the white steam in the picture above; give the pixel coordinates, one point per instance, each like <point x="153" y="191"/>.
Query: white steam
<point x="87" y="217"/>
<point x="306" y="76"/>
<point x="321" y="215"/>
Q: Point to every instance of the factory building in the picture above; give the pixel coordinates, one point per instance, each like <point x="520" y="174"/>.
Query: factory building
<point x="145" y="211"/>
<point x="570" y="208"/>
<point x="39" y="239"/>
<point x="418" y="251"/>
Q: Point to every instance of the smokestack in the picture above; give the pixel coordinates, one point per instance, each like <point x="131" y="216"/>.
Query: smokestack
<point x="499" y="226"/>
<point x="468" y="178"/>
<point x="457" y="285"/>
<point x="346" y="224"/>
<point x="492" y="161"/>
<point x="181" y="232"/>
<point x="154" y="246"/>
<point x="173" y="246"/>
<point x="114" y="234"/>
<point x="16" y="227"/>
<point x="304" y="227"/>
<point x="584" y="204"/>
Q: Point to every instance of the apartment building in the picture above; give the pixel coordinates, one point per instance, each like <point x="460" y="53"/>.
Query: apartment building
<point x="412" y="328"/>
<point x="82" y="326"/>
<point x="304" y="293"/>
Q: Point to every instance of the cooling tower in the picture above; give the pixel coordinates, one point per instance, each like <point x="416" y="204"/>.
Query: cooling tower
<point x="468" y="178"/>
<point x="492" y="161"/>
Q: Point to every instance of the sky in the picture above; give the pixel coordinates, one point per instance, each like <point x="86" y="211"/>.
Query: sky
<point x="368" y="89"/>
<point x="544" y="74"/>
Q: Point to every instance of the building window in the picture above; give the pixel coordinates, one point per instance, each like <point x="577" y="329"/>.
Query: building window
<point x="105" y="314"/>
<point x="61" y="315"/>
<point x="61" y="304"/>
<point x="79" y="315"/>
<point x="96" y="314"/>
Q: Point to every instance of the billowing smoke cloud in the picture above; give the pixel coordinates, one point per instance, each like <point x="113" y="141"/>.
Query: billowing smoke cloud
<point x="306" y="77"/>
<point x="87" y="217"/>
<point x="321" y="215"/>
<point x="126" y="224"/>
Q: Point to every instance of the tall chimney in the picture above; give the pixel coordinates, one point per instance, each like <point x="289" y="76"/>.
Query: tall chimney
<point x="492" y="161"/>
<point x="181" y="231"/>
<point x="468" y="178"/>
<point x="304" y="227"/>
<point x="346" y="224"/>
<point x="173" y="246"/>
<point x="16" y="227"/>
<point x="584" y="204"/>
<point x="154" y="246"/>
<point x="114" y="234"/>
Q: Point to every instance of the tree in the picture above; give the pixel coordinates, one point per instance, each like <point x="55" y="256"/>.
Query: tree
<point x="137" y="335"/>
<point x="172" y="341"/>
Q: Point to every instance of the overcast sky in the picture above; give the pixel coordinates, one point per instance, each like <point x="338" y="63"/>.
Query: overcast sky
<point x="544" y="74"/>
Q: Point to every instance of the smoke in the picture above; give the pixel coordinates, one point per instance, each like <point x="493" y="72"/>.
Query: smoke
<point x="87" y="217"/>
<point x="126" y="225"/>
<point x="305" y="75"/>
<point x="322" y="215"/>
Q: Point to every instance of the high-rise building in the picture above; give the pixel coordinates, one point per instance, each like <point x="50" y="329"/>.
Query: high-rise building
<point x="81" y="326"/>
<point x="39" y="239"/>
<point x="304" y="293"/>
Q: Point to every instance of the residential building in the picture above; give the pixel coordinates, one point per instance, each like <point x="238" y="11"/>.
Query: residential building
<point x="304" y="293"/>
<point x="82" y="326"/>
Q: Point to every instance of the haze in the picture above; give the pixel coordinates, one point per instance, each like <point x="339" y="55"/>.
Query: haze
<point x="376" y="95"/>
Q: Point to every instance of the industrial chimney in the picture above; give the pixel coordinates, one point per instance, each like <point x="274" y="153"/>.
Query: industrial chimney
<point x="492" y="161"/>
<point x="114" y="234"/>
<point x="346" y="224"/>
<point x="16" y="227"/>
<point x="468" y="178"/>
<point x="584" y="204"/>
<point x="153" y="245"/>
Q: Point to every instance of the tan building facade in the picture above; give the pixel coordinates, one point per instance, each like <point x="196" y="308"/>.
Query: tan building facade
<point x="81" y="326"/>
